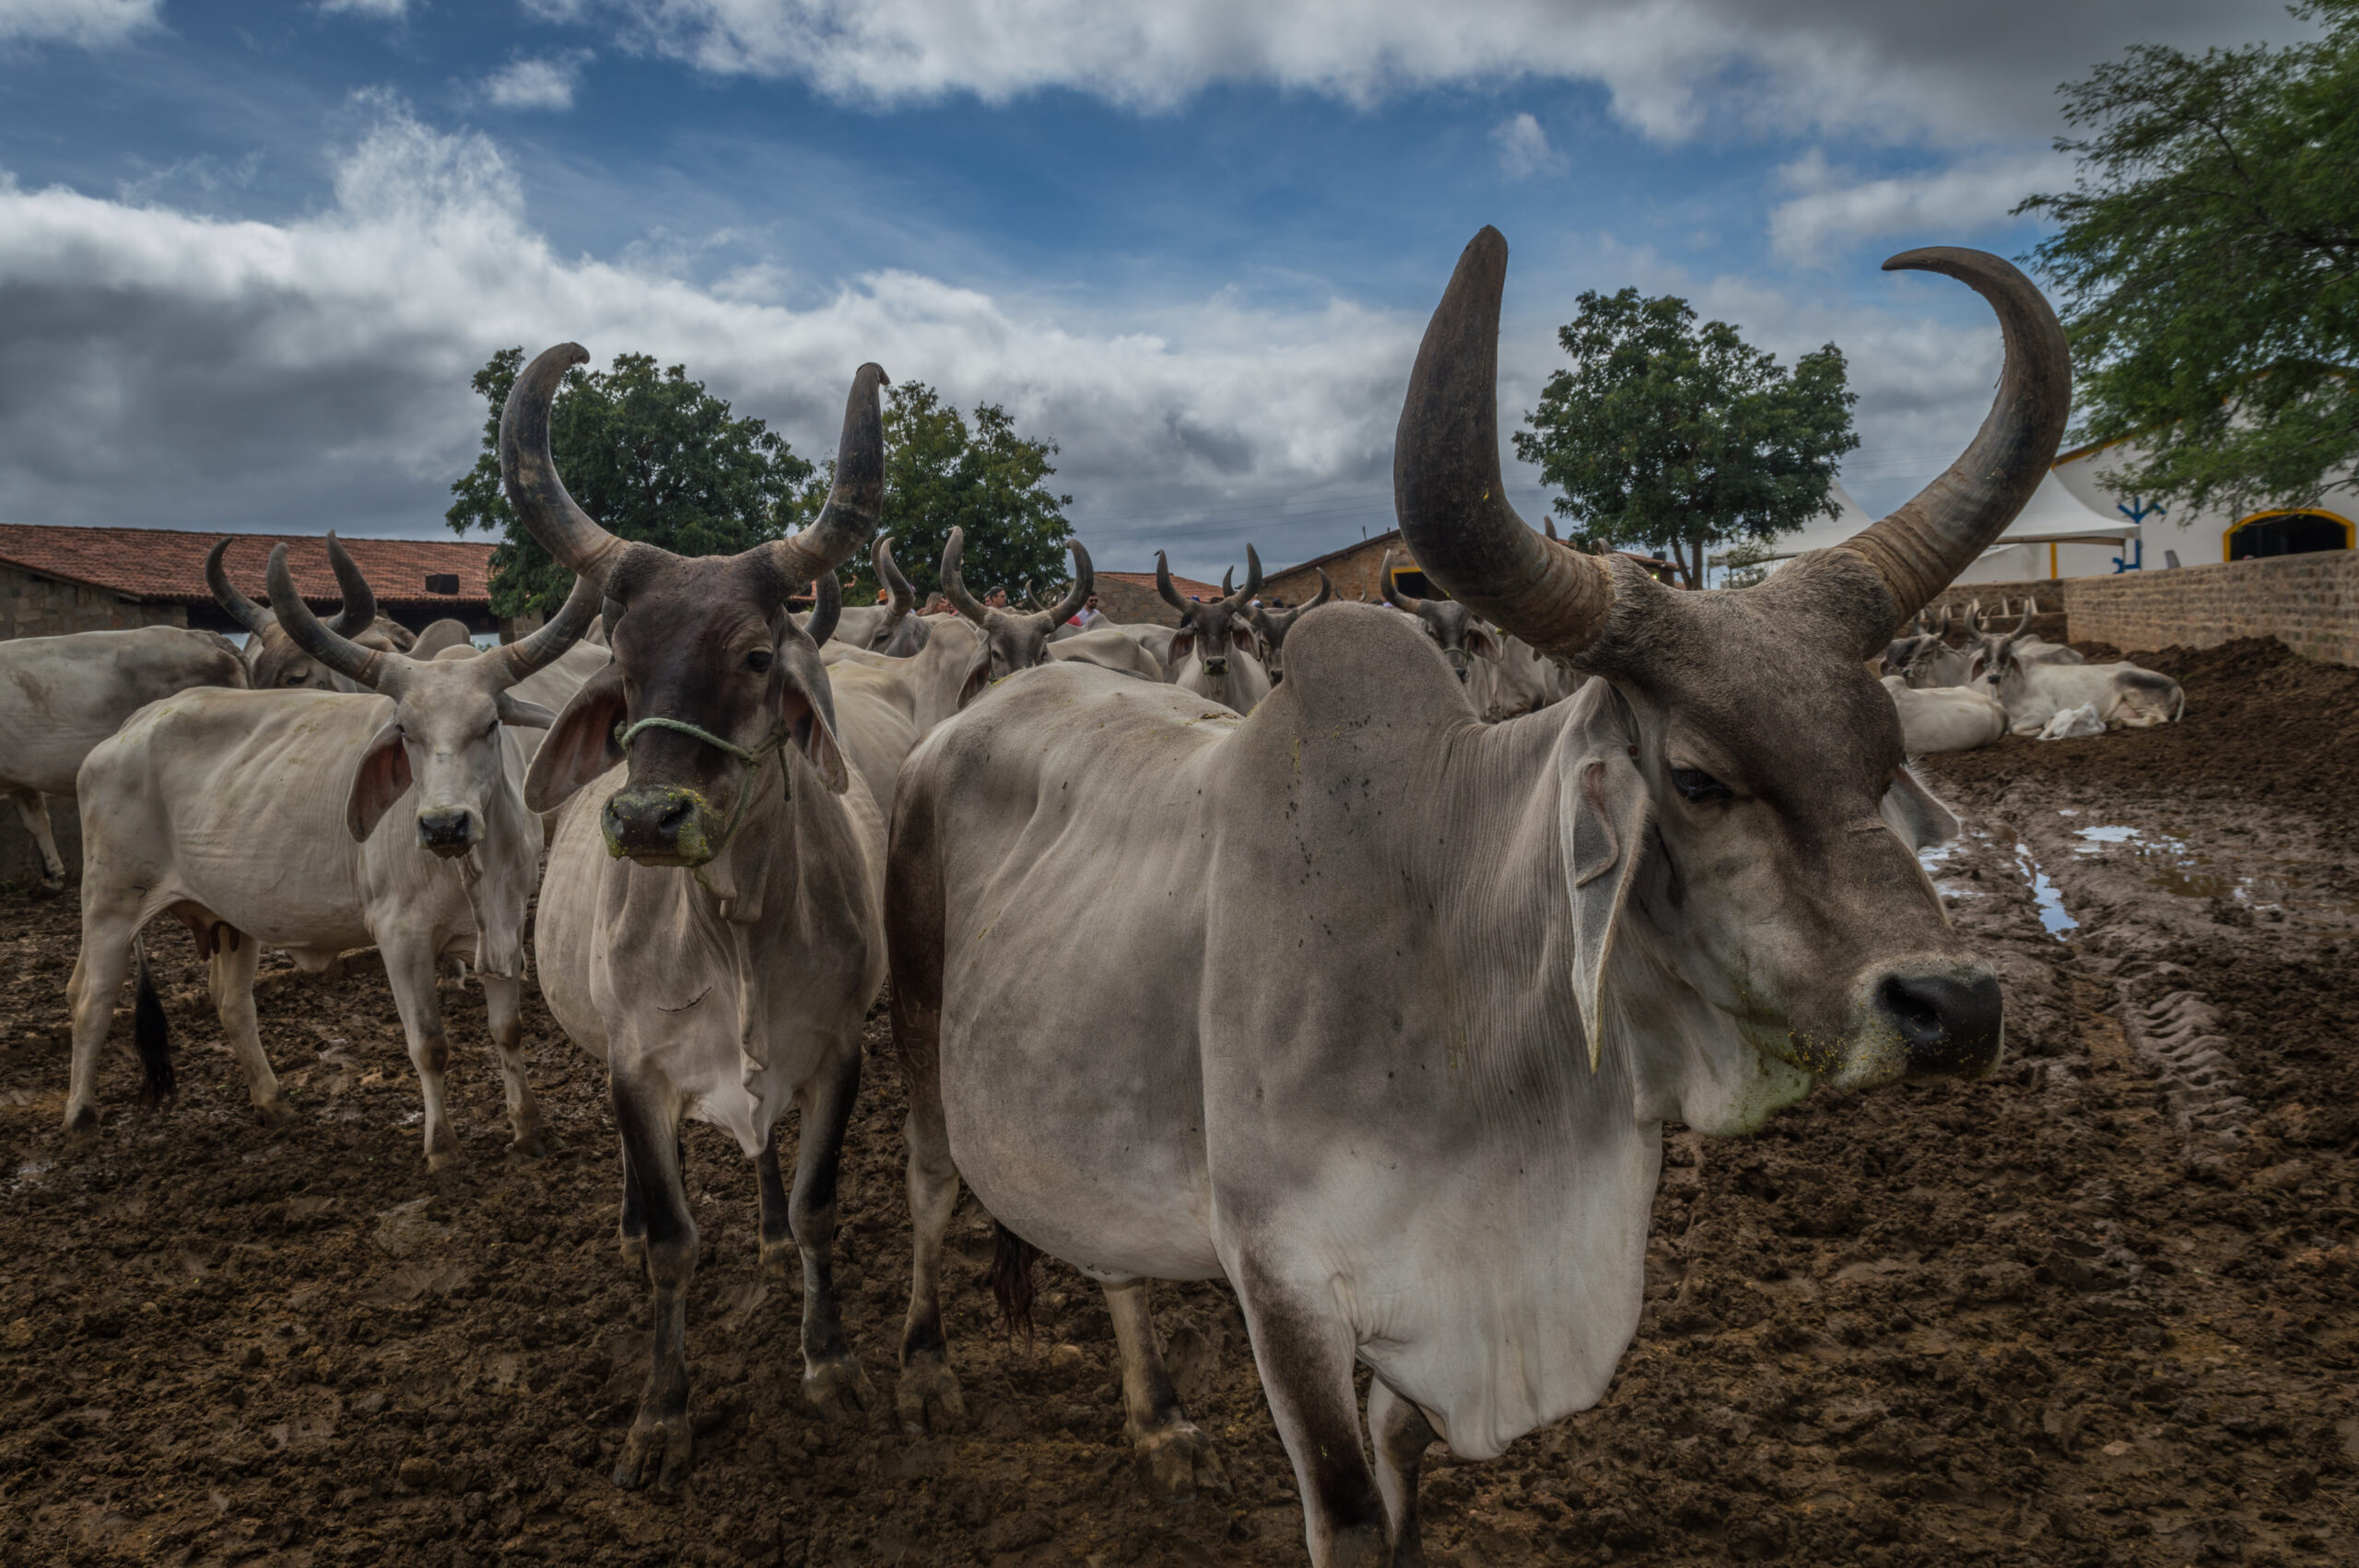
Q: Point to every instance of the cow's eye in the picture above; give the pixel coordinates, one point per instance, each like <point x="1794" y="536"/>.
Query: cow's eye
<point x="1698" y="785"/>
<point x="758" y="662"/>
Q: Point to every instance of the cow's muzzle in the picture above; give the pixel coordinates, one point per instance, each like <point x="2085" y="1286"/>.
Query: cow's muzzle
<point x="1950" y="1024"/>
<point x="1215" y="666"/>
<point x="447" y="831"/>
<point x="659" y="825"/>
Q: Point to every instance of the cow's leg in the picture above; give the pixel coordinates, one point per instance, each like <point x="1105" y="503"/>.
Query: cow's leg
<point x="503" y="1000"/>
<point x="777" y="1220"/>
<point x="409" y="969"/>
<point x="1174" y="1458"/>
<point x="1305" y="1355"/>
<point x="633" y="1230"/>
<point x="1402" y="1434"/>
<point x="32" y="810"/>
<point x="928" y="1396"/>
<point x="656" y="1450"/>
<point x="230" y="979"/>
<point x="98" y="974"/>
<point x="832" y="1379"/>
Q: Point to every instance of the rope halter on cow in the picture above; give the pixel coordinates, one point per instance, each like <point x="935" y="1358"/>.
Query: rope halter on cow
<point x="750" y="756"/>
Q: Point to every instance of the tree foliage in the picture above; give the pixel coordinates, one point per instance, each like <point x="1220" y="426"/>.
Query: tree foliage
<point x="651" y="455"/>
<point x="946" y="470"/>
<point x="1672" y="437"/>
<point x="2208" y="256"/>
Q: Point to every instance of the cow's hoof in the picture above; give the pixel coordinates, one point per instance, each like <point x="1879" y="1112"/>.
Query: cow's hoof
<point x="1178" y="1462"/>
<point x="82" y="1131"/>
<point x="655" y="1454"/>
<point x="530" y="1145"/>
<point x="48" y="889"/>
<point x="929" y="1399"/>
<point x="442" y="1153"/>
<point x="837" y="1388"/>
<point x="272" y="1112"/>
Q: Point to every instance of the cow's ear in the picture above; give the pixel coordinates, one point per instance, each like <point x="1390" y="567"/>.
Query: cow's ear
<point x="979" y="675"/>
<point x="381" y="778"/>
<point x="1244" y="636"/>
<point x="1480" y="642"/>
<point x="581" y="744"/>
<point x="1183" y="643"/>
<point x="1914" y="816"/>
<point x="521" y="712"/>
<point x="807" y="705"/>
<point x="1603" y="808"/>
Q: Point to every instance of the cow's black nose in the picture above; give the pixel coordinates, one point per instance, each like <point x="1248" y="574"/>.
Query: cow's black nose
<point x="1950" y="1026"/>
<point x="448" y="831"/>
<point x="659" y="825"/>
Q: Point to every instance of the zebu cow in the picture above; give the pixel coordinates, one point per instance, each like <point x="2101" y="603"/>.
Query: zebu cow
<point x="1012" y="640"/>
<point x="1212" y="653"/>
<point x="60" y="695"/>
<point x="1521" y="680"/>
<point x="1407" y="1098"/>
<point x="2127" y="697"/>
<point x="873" y="625"/>
<point x="1456" y="630"/>
<point x="259" y="819"/>
<point x="2027" y="647"/>
<point x="1945" y="719"/>
<point x="1273" y="625"/>
<point x="711" y="927"/>
<point x="275" y="662"/>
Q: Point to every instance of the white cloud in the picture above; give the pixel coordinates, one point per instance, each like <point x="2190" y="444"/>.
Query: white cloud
<point x="89" y="23"/>
<point x="384" y="10"/>
<point x="1670" y="65"/>
<point x="546" y="83"/>
<point x="1834" y="209"/>
<point x="169" y="367"/>
<point x="1523" y="148"/>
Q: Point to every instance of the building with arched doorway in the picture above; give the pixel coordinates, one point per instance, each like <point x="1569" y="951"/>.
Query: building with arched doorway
<point x="2198" y="537"/>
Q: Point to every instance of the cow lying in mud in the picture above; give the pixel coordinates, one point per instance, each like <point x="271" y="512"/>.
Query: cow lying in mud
<point x="1407" y="1098"/>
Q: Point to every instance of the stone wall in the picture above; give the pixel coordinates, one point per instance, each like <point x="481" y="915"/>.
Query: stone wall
<point x="41" y="606"/>
<point x="2309" y="602"/>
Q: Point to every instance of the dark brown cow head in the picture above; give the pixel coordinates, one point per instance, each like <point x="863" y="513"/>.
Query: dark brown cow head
<point x="710" y="674"/>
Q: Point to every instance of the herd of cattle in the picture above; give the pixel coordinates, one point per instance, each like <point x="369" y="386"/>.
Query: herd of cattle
<point x="1244" y="949"/>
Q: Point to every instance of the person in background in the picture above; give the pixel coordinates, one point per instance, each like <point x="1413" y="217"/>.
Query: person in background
<point x="936" y="605"/>
<point x="996" y="599"/>
<point x="1088" y="616"/>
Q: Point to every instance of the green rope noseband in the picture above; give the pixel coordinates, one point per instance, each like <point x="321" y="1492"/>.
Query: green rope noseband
<point x="750" y="756"/>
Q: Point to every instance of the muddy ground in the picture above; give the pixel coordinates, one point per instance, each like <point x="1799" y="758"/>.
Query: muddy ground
<point x="2099" y="1310"/>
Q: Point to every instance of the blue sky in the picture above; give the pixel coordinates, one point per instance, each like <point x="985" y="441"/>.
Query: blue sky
<point x="250" y="254"/>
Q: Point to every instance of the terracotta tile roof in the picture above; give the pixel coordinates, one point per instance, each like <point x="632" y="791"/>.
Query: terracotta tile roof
<point x="168" y="564"/>
<point x="1188" y="586"/>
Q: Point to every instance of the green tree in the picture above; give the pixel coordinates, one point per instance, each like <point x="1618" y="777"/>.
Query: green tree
<point x="945" y="470"/>
<point x="1673" y="438"/>
<point x="652" y="455"/>
<point x="2208" y="258"/>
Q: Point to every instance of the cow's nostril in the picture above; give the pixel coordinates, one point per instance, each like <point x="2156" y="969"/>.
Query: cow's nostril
<point x="1948" y="1025"/>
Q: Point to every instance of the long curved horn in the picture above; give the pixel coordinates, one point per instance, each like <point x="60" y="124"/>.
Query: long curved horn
<point x="1163" y="585"/>
<point x="547" y="646"/>
<point x="1919" y="548"/>
<point x="358" y="612"/>
<point x="880" y="555"/>
<point x="1392" y="594"/>
<point x="330" y="647"/>
<point x="1227" y="582"/>
<point x="1326" y="591"/>
<point x="1085" y="580"/>
<point x="1447" y="489"/>
<point x="1252" y="581"/>
<point x="954" y="584"/>
<point x="857" y="497"/>
<point x="239" y="608"/>
<point x="529" y="473"/>
<point x="826" y="607"/>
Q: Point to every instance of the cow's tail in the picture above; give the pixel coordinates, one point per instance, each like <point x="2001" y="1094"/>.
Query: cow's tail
<point x="1011" y="1260"/>
<point x="2178" y="701"/>
<point x="151" y="1036"/>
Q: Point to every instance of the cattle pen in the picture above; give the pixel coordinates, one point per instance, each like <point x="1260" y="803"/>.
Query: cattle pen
<point x="2100" y="1309"/>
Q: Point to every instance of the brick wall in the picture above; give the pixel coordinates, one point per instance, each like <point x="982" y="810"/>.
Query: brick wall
<point x="41" y="606"/>
<point x="1353" y="572"/>
<point x="2309" y="602"/>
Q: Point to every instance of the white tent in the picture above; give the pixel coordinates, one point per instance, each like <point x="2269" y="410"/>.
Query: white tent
<point x="2051" y="520"/>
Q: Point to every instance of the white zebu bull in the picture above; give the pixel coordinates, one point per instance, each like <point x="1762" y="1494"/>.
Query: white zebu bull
<point x="1945" y="719"/>
<point x="2125" y="696"/>
<point x="1408" y="1096"/>
<point x="710" y="925"/>
<point x="259" y="819"/>
<point x="60" y="695"/>
<point x="1212" y="653"/>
